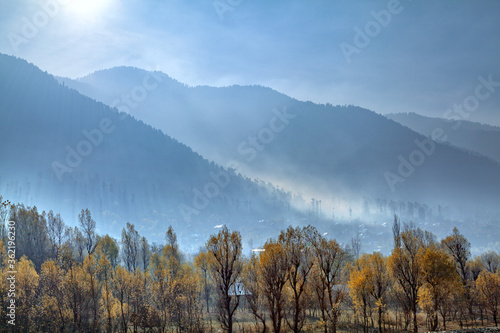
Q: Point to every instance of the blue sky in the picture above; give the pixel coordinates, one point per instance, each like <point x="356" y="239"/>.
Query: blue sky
<point x="425" y="58"/>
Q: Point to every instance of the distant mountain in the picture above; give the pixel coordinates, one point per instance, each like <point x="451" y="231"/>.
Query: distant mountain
<point x="480" y="138"/>
<point x="61" y="150"/>
<point x="64" y="151"/>
<point x="326" y="151"/>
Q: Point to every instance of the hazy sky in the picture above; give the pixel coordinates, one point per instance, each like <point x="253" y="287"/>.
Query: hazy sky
<point x="425" y="57"/>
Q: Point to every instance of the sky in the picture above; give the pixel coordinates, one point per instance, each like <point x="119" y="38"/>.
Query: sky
<point x="388" y="56"/>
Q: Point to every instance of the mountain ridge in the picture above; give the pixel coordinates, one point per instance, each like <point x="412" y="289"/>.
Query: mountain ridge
<point x="473" y="136"/>
<point x="232" y="127"/>
<point x="67" y="148"/>
<point x="337" y="156"/>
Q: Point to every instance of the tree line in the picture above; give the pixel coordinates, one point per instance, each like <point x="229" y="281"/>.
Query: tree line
<point x="70" y="279"/>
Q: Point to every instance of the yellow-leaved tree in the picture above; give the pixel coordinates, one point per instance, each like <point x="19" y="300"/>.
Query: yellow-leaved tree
<point x="27" y="281"/>
<point x="439" y="280"/>
<point x="368" y="283"/>
<point x="404" y="267"/>
<point x="329" y="258"/>
<point x="122" y="281"/>
<point x="202" y="264"/>
<point x="360" y="288"/>
<point x="273" y="270"/>
<point x="54" y="309"/>
<point x="488" y="285"/>
<point x="255" y="296"/>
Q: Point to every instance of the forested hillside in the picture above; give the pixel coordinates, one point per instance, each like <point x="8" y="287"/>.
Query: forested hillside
<point x="69" y="151"/>
<point x="459" y="132"/>
<point x="329" y="151"/>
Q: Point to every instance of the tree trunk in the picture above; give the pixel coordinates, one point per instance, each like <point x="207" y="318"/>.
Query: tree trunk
<point x="415" y="322"/>
<point x="379" y="319"/>
<point x="444" y="320"/>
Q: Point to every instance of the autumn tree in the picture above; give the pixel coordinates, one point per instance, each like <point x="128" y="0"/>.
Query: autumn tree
<point x="171" y="248"/>
<point x="368" y="284"/>
<point x="300" y="261"/>
<point x="201" y="262"/>
<point x="4" y="283"/>
<point x="108" y="301"/>
<point x="75" y="293"/>
<point x="161" y="280"/>
<point x="273" y="269"/>
<point x="404" y="266"/>
<point x="330" y="260"/>
<point x="475" y="267"/>
<point x="253" y="285"/>
<point x="53" y="300"/>
<point x="439" y="279"/>
<point x="108" y="246"/>
<point x="226" y="267"/>
<point x="92" y="289"/>
<point x="122" y="281"/>
<point x="459" y="248"/>
<point x="27" y="281"/>
<point x="381" y="282"/>
<point x="185" y="300"/>
<point x="139" y="300"/>
<point x="452" y="295"/>
<point x="360" y="289"/>
<point x="488" y="285"/>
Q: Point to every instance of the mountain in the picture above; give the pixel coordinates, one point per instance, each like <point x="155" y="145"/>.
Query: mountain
<point x="342" y="154"/>
<point x="61" y="150"/>
<point x="65" y="151"/>
<point x="480" y="138"/>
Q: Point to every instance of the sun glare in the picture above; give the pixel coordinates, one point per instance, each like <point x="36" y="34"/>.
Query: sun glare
<point x="87" y="9"/>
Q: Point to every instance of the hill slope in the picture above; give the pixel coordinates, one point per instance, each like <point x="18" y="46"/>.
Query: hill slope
<point x="61" y="150"/>
<point x="480" y="138"/>
<point x="326" y="151"/>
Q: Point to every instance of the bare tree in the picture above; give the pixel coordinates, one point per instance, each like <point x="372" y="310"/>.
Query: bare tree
<point x="145" y="253"/>
<point x="56" y="231"/>
<point x="88" y="226"/>
<point x="491" y="261"/>
<point x="171" y="249"/>
<point x="254" y="296"/>
<point x="396" y="230"/>
<point x="226" y="267"/>
<point x="300" y="261"/>
<point x="130" y="247"/>
<point x="31" y="233"/>
<point x="79" y="243"/>
<point x="356" y="246"/>
<point x="330" y="260"/>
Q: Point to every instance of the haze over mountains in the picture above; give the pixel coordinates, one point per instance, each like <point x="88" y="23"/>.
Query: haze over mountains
<point x="461" y="133"/>
<point x="67" y="152"/>
<point x="330" y="151"/>
<point x="63" y="151"/>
